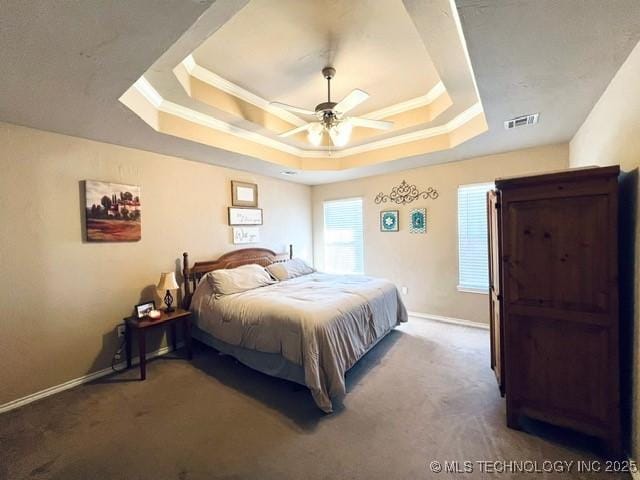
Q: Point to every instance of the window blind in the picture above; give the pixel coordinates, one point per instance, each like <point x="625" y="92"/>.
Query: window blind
<point x="343" y="238"/>
<point x="473" y="251"/>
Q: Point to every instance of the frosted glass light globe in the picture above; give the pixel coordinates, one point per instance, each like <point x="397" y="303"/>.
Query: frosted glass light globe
<point x="314" y="134"/>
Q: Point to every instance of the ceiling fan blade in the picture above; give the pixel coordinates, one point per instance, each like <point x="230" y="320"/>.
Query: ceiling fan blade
<point x="291" y="108"/>
<point x="352" y="100"/>
<point x="293" y="131"/>
<point x="368" y="123"/>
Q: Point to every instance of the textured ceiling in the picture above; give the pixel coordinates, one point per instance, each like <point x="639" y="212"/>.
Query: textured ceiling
<point x="180" y="95"/>
<point x="277" y="49"/>
<point x="65" y="64"/>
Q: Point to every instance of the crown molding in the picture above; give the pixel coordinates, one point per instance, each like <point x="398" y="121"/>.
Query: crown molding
<point x="207" y="76"/>
<point x="465" y="50"/>
<point x="424" y="100"/>
<point x="450" y="126"/>
<point x="147" y="90"/>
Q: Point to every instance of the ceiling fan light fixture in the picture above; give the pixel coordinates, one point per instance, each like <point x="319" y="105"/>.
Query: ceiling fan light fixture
<point x="330" y="116"/>
<point x="341" y="133"/>
<point x="314" y="135"/>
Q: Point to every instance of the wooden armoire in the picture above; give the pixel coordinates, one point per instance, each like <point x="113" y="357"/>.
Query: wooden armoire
<point x="554" y="299"/>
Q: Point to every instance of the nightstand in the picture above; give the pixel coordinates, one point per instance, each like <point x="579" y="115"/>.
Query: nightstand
<point x="142" y="325"/>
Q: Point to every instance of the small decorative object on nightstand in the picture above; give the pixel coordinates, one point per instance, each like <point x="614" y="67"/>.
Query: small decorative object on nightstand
<point x="167" y="283"/>
<point x="145" y="308"/>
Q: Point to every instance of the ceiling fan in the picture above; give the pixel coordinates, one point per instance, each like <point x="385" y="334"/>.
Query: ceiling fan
<point x="331" y="116"/>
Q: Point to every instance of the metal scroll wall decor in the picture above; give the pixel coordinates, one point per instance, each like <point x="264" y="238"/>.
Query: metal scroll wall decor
<point x="405" y="193"/>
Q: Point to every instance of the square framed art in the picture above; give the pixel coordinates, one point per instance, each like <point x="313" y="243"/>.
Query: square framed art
<point x="113" y="212"/>
<point x="244" y="194"/>
<point x="389" y="221"/>
<point x="418" y="220"/>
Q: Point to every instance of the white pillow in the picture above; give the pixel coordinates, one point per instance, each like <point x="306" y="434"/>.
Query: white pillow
<point x="240" y="279"/>
<point x="289" y="269"/>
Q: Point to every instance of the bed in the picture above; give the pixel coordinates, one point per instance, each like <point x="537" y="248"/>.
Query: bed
<point x="310" y="329"/>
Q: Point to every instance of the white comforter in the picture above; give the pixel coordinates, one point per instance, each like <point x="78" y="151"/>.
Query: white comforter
<point x="321" y="322"/>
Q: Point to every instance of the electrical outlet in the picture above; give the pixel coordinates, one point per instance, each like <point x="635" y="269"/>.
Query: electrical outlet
<point x="120" y="330"/>
<point x="405" y="290"/>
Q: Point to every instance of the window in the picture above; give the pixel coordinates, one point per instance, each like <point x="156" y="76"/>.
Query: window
<point x="343" y="250"/>
<point x="473" y="251"/>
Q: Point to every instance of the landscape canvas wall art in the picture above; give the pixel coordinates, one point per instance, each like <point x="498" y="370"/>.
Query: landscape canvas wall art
<point x="113" y="212"/>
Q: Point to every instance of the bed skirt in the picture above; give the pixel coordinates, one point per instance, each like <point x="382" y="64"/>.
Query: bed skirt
<point x="269" y="363"/>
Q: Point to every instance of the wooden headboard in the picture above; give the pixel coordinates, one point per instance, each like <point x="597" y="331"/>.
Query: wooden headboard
<point x="191" y="275"/>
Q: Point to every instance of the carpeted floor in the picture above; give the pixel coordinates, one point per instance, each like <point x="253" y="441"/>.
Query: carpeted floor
<point x="424" y="394"/>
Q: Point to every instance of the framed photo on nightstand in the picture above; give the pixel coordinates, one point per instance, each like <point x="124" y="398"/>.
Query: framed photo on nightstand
<point x="143" y="309"/>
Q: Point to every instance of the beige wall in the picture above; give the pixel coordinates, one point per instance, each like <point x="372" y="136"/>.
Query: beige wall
<point x="611" y="136"/>
<point x="428" y="264"/>
<point x="61" y="298"/>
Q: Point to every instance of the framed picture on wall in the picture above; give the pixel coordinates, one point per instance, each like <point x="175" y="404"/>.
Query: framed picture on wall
<point x="244" y="194"/>
<point x="245" y="216"/>
<point x="112" y="212"/>
<point x="418" y="219"/>
<point x="389" y="221"/>
<point x="242" y="235"/>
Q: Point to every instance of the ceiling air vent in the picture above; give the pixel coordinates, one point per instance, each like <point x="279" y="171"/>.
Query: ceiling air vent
<point x="521" y="121"/>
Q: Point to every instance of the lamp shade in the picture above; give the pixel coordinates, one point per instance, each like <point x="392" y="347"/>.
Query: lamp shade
<point x="168" y="281"/>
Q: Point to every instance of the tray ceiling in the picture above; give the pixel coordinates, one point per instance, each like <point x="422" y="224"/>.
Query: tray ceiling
<point x="66" y="64"/>
<point x="278" y="53"/>
<point x="410" y="56"/>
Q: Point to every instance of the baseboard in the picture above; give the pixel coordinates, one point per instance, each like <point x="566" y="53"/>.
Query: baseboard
<point x="80" y="380"/>
<point x="455" y="321"/>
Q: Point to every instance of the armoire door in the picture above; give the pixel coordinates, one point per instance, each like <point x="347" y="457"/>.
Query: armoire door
<point x="560" y="308"/>
<point x="495" y="308"/>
